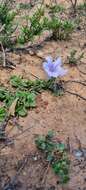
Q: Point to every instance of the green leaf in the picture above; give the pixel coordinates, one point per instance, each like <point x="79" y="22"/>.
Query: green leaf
<point x="21" y="111"/>
<point x="60" y="146"/>
<point x="2" y="113"/>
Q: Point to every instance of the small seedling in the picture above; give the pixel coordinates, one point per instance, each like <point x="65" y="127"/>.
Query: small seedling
<point x="25" y="6"/>
<point x="56" y="9"/>
<point x="55" y="153"/>
<point x="73" y="60"/>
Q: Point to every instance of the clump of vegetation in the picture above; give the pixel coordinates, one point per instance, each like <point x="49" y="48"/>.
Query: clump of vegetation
<point x="56" y="9"/>
<point x="2" y="114"/>
<point x="25" y="6"/>
<point x="60" y="29"/>
<point x="38" y="23"/>
<point x="74" y="60"/>
<point x="33" y="28"/>
<point x="25" y="95"/>
<point x="82" y="6"/>
<point x="55" y="154"/>
<point x="24" y="100"/>
<point x="7" y="16"/>
<point x="37" y="85"/>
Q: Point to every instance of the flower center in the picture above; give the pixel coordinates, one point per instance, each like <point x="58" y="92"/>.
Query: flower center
<point x="52" y="68"/>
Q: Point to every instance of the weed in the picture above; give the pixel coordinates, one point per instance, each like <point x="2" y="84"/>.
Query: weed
<point x="25" y="93"/>
<point x="6" y="22"/>
<point x="82" y="6"/>
<point x="39" y="23"/>
<point x="72" y="59"/>
<point x="37" y="85"/>
<point x="25" y="100"/>
<point x="56" y="9"/>
<point x="61" y="30"/>
<point x="55" y="153"/>
<point x="34" y="28"/>
<point x="25" y="6"/>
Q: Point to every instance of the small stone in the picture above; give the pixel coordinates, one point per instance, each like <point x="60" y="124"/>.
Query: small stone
<point x="78" y="153"/>
<point x="35" y="158"/>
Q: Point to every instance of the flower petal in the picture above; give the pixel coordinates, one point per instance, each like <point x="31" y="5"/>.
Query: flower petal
<point x="61" y="71"/>
<point x="46" y="66"/>
<point x="49" y="59"/>
<point x="58" y="61"/>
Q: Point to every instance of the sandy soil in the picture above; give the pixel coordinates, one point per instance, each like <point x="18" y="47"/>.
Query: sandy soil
<point x="65" y="115"/>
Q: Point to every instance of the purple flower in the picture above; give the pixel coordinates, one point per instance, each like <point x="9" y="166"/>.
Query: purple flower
<point x="54" y="68"/>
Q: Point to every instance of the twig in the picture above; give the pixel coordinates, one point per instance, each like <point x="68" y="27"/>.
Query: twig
<point x="84" y="73"/>
<point x="75" y="94"/>
<point x="75" y="81"/>
<point x="11" y="185"/>
<point x="34" y="76"/>
<point x="4" y="57"/>
<point x="45" y="174"/>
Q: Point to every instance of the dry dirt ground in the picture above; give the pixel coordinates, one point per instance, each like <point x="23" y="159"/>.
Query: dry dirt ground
<point x="66" y="115"/>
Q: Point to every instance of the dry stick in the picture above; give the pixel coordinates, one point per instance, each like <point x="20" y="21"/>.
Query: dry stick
<point x="4" y="57"/>
<point x="12" y="183"/>
<point x="75" y="81"/>
<point x="81" y="71"/>
<point x="45" y="174"/>
<point x="34" y="76"/>
<point x="75" y="94"/>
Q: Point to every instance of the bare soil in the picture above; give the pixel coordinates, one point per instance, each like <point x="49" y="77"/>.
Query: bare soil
<point x="66" y="115"/>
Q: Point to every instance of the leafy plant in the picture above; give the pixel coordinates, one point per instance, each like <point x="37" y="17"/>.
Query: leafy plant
<point x="24" y="97"/>
<point x="37" y="85"/>
<point x="6" y="22"/>
<point x="25" y="100"/>
<point x="55" y="154"/>
<point x="56" y="8"/>
<point x="60" y="29"/>
<point x="34" y="28"/>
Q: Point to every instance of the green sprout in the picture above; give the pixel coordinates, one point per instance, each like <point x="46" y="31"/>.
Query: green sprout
<point x="55" y="153"/>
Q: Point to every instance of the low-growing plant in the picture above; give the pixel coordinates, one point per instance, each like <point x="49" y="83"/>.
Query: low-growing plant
<point x="24" y="101"/>
<point x="25" y="95"/>
<point x="82" y="6"/>
<point x="37" y="23"/>
<point x="7" y="16"/>
<point x="25" y="6"/>
<point x="55" y="153"/>
<point x="34" y="28"/>
<point x="73" y="59"/>
<point x="61" y="30"/>
<point x="56" y="9"/>
<point x="37" y="85"/>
